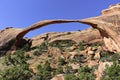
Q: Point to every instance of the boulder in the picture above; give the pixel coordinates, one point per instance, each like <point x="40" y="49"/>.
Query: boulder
<point x="92" y="63"/>
<point x="58" y="77"/>
<point x="97" y="55"/>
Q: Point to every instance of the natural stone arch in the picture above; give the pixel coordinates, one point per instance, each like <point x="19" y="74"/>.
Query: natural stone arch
<point x="39" y="25"/>
<point x="107" y="24"/>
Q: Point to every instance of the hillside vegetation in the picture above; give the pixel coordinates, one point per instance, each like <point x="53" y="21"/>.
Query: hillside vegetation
<point x="74" y="61"/>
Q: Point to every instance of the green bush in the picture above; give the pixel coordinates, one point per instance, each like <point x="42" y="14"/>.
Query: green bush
<point x="112" y="72"/>
<point x="16" y="73"/>
<point x="26" y="47"/>
<point x="109" y="56"/>
<point x="78" y="58"/>
<point x="86" y="73"/>
<point x="115" y="57"/>
<point x="36" y="53"/>
<point x="68" y="33"/>
<point x="43" y="47"/>
<point x="105" y="56"/>
<point x="80" y="46"/>
<point x="68" y="70"/>
<point x="59" y="70"/>
<point x="61" y="61"/>
<point x="17" y="68"/>
<point x="18" y="58"/>
<point x="62" y="44"/>
<point x="44" y="72"/>
<point x="96" y="44"/>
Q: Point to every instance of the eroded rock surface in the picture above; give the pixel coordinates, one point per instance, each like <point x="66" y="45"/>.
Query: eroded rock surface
<point x="108" y="24"/>
<point x="89" y="35"/>
<point x="8" y="38"/>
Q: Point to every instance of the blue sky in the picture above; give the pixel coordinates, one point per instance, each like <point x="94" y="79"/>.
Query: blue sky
<point x="23" y="13"/>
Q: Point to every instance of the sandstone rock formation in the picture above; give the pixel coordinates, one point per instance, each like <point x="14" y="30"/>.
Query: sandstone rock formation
<point x="10" y="38"/>
<point x="16" y="35"/>
<point x="76" y="36"/>
<point x="107" y="25"/>
<point x="58" y="77"/>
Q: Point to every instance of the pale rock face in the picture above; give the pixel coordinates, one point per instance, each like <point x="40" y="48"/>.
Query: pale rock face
<point x="112" y="8"/>
<point x="108" y="25"/>
<point x="73" y="54"/>
<point x="110" y="44"/>
<point x="97" y="55"/>
<point x="75" y="66"/>
<point x="7" y="38"/>
<point x="101" y="68"/>
<point x="92" y="63"/>
<point x="58" y="77"/>
<point x="89" y="48"/>
<point x="54" y="52"/>
<point x="91" y="52"/>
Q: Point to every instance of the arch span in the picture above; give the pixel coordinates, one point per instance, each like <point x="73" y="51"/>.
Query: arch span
<point x="39" y="25"/>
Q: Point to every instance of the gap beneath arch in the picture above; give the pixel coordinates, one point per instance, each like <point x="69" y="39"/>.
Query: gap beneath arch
<point x="64" y="27"/>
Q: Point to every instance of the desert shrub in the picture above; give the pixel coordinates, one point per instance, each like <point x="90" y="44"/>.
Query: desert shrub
<point x="81" y="46"/>
<point x="59" y="70"/>
<point x="112" y="72"/>
<point x="78" y="58"/>
<point x="36" y="53"/>
<point x="115" y="57"/>
<point x="96" y="44"/>
<point x="16" y="73"/>
<point x="16" y="67"/>
<point x="95" y="67"/>
<point x="61" y="61"/>
<point x="68" y="33"/>
<point x="79" y="30"/>
<point x="47" y="66"/>
<point x="109" y="56"/>
<point x="62" y="44"/>
<point x="105" y="56"/>
<point x="43" y="47"/>
<point x="68" y="69"/>
<point x="44" y="72"/>
<point x="86" y="73"/>
<point x="18" y="58"/>
<point x="26" y="47"/>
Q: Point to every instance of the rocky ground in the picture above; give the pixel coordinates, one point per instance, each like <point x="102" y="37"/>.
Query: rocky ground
<point x="61" y="60"/>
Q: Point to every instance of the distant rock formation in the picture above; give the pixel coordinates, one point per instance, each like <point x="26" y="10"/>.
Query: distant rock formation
<point x="108" y="24"/>
<point x="107" y="29"/>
